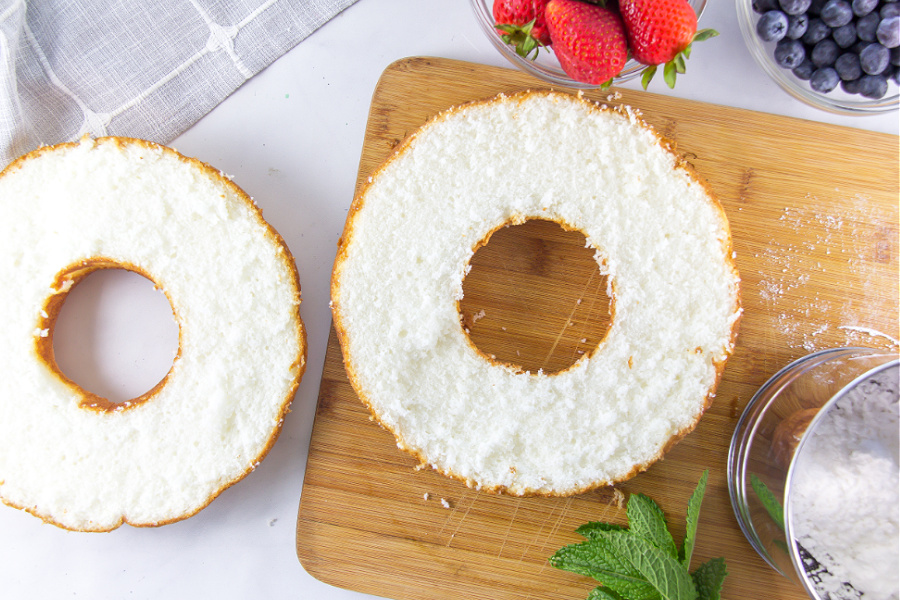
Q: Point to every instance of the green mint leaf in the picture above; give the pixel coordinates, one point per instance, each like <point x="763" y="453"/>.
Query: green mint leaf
<point x="588" y="529"/>
<point x="646" y="519"/>
<point x="708" y="579"/>
<point x="664" y="572"/>
<point x="602" y="593"/>
<point x="768" y="500"/>
<point x="692" y="520"/>
<point x="590" y="558"/>
<point x="596" y="558"/>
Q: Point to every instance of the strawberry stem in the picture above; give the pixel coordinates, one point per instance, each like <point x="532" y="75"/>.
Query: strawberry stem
<point x="519" y="36"/>
<point x="678" y="63"/>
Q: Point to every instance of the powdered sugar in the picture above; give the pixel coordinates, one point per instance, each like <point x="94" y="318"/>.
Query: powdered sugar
<point x="843" y="501"/>
<point x="795" y="283"/>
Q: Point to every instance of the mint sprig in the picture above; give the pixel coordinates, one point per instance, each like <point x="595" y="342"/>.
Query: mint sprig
<point x="641" y="561"/>
<point x="769" y="501"/>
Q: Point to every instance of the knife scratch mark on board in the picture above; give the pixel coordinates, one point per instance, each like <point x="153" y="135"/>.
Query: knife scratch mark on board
<point x="509" y="527"/>
<point x="453" y="509"/>
<point x="463" y="518"/>
<point x="565" y="510"/>
<point x="592" y="314"/>
<point x="567" y="322"/>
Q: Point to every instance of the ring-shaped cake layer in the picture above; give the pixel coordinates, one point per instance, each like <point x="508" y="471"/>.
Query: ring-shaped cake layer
<point x="82" y="462"/>
<point x="658" y="232"/>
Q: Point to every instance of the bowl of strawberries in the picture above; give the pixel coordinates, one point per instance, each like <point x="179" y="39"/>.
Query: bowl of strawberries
<point x="590" y="44"/>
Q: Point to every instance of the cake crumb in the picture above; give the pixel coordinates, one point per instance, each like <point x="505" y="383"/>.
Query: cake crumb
<point x="426" y="496"/>
<point x="445" y="503"/>
<point x="619" y="497"/>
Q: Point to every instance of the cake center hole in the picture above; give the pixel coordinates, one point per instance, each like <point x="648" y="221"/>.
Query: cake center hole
<point x="535" y="298"/>
<point x="116" y="335"/>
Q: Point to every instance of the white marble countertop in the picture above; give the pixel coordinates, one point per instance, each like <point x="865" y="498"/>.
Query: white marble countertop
<point x="291" y="137"/>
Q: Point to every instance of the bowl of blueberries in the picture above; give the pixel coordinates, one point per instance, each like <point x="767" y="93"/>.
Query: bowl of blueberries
<point x="838" y="55"/>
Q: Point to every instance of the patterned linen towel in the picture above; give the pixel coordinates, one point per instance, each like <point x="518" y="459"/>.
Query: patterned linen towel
<point x="140" y="68"/>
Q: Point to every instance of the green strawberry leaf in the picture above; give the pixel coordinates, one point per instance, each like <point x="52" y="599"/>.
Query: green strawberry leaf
<point x="588" y="529"/>
<point x="704" y="34"/>
<point x="768" y="500"/>
<point x="519" y="36"/>
<point x="692" y="520"/>
<point x="646" y="519"/>
<point x="708" y="579"/>
<point x="678" y="63"/>
<point x="649" y="72"/>
<point x="669" y="74"/>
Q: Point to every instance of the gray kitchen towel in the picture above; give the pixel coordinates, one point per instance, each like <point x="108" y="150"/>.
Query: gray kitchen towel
<point x="140" y="68"/>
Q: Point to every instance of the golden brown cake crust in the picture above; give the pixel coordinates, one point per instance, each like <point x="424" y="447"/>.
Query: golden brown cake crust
<point x="403" y="147"/>
<point x="71" y="275"/>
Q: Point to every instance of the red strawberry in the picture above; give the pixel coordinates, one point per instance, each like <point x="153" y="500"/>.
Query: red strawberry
<point x="521" y="24"/>
<point x="588" y="40"/>
<point x="660" y="32"/>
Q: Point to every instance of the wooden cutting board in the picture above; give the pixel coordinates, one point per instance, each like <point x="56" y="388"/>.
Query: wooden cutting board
<point x="814" y="215"/>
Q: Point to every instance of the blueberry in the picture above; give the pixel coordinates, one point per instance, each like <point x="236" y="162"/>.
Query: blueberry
<point x="817" y="31"/>
<point x="888" y="31"/>
<point x="789" y="53"/>
<point x="889" y="10"/>
<point x="851" y="87"/>
<point x="836" y="13"/>
<point x="866" y="26"/>
<point x="825" y="53"/>
<point x="794" y="7"/>
<point x="815" y="7"/>
<point x="772" y="26"/>
<point x="797" y="26"/>
<point x="863" y="7"/>
<point x="845" y="35"/>
<point x="804" y="70"/>
<point x="824" y="80"/>
<point x="873" y="86"/>
<point x="847" y="66"/>
<point x="764" y="6"/>
<point x="874" y="59"/>
<point x="895" y="75"/>
<point x="895" y="56"/>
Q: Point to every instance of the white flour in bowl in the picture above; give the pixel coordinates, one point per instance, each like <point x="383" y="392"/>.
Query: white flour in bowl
<point x="844" y="498"/>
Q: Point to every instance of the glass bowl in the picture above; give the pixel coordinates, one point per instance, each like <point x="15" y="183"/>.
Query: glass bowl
<point x="772" y="444"/>
<point x="546" y="67"/>
<point x="836" y="101"/>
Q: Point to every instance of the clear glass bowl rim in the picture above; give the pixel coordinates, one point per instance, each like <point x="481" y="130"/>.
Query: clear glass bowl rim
<point x="804" y="441"/>
<point x="796" y="88"/>
<point x="750" y="420"/>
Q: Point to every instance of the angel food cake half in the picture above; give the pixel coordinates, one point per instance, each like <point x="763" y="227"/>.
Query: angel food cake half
<point x="658" y="234"/>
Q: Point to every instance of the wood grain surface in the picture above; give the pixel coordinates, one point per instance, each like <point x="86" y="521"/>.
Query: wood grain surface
<point x="814" y="215"/>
